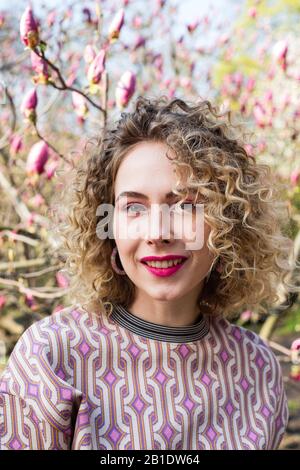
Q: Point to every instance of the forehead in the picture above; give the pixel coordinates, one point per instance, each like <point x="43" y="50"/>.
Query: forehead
<point x="146" y="172"/>
<point x="146" y="163"/>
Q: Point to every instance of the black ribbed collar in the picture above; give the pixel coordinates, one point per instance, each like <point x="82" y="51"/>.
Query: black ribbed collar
<point x="174" y="334"/>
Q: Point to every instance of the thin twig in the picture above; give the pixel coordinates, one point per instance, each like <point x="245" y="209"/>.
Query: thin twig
<point x="29" y="291"/>
<point x="20" y="238"/>
<point x="64" y="86"/>
<point x="70" y="162"/>
<point x="22" y="264"/>
<point x="42" y="271"/>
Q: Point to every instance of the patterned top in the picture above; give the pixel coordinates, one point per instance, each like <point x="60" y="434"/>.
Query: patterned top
<point x="80" y="380"/>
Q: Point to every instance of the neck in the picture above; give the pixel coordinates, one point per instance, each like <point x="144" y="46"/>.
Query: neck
<point x="177" y="312"/>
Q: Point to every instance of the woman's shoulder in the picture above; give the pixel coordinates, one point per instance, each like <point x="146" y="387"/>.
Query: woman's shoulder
<point x="50" y="342"/>
<point x="246" y="343"/>
<point x="70" y="320"/>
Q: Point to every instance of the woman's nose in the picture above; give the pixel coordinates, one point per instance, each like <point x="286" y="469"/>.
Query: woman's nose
<point x="159" y="224"/>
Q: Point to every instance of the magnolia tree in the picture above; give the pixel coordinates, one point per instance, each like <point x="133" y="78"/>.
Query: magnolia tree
<point x="64" y="71"/>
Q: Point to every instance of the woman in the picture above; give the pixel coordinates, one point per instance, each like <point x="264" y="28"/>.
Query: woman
<point x="146" y="357"/>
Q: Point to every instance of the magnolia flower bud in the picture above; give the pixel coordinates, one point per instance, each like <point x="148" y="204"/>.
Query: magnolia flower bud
<point x="140" y="41"/>
<point x="97" y="68"/>
<point x="125" y="88"/>
<point x="37" y="158"/>
<point x="50" y="168"/>
<point x="192" y="26"/>
<point x="16" y="144"/>
<point x="40" y="66"/>
<point x="89" y="54"/>
<point x="2" y="301"/>
<point x="280" y="51"/>
<point x="29" y="29"/>
<point x="62" y="280"/>
<point x="295" y="177"/>
<point x="2" y="19"/>
<point x="260" y="115"/>
<point x="79" y="104"/>
<point x="37" y="200"/>
<point x="116" y="25"/>
<point x="29" y="104"/>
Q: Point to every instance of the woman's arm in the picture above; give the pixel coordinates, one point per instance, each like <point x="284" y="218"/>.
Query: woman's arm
<point x="37" y="408"/>
<point x="21" y="428"/>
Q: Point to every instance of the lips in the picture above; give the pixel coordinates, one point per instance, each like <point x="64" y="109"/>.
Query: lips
<point x="163" y="272"/>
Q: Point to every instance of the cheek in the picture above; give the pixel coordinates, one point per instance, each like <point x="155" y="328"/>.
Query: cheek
<point x="127" y="251"/>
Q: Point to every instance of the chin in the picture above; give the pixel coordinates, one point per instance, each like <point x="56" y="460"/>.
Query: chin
<point x="164" y="296"/>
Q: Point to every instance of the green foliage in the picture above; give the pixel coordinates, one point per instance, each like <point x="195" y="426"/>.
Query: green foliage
<point x="294" y="405"/>
<point x="290" y="322"/>
<point x="295" y="199"/>
<point x="292" y="5"/>
<point x="241" y="63"/>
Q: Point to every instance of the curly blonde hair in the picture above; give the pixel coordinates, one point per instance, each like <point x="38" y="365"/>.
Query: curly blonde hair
<point x="242" y="202"/>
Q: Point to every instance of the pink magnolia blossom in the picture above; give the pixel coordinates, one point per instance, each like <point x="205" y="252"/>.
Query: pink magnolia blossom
<point x="295" y="345"/>
<point x="30" y="301"/>
<point x="37" y="158"/>
<point x="96" y="68"/>
<point x="238" y="79"/>
<point x="252" y="12"/>
<point x="62" y="280"/>
<point x="2" y="301"/>
<point x="261" y="117"/>
<point x="140" y="41"/>
<point x="268" y="96"/>
<point x="79" y="104"/>
<point x="51" y="18"/>
<point x="37" y="200"/>
<point x="192" y="26"/>
<point x="89" y="54"/>
<point x="125" y="88"/>
<point x="2" y="19"/>
<point x="250" y="85"/>
<point x="246" y="315"/>
<point x="137" y="21"/>
<point x="185" y="82"/>
<point x="295" y="372"/>
<point x="29" y="104"/>
<point x="29" y="29"/>
<point x="40" y="66"/>
<point x="171" y="92"/>
<point x="295" y="368"/>
<point x="223" y="39"/>
<point x="261" y="145"/>
<point x="16" y="144"/>
<point x="295" y="177"/>
<point x="280" y="50"/>
<point x="116" y="25"/>
<point x="50" y="168"/>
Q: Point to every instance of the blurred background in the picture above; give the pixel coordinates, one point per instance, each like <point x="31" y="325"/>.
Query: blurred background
<point x="68" y="67"/>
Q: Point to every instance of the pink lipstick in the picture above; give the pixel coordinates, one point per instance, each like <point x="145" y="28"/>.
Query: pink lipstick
<point x="163" y="272"/>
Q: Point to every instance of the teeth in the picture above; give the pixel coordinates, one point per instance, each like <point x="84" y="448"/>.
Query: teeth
<point x="164" y="264"/>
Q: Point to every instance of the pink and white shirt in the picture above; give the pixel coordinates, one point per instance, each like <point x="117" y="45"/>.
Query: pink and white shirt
<point x="79" y="380"/>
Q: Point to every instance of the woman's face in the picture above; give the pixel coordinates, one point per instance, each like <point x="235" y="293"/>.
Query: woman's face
<point x="141" y="231"/>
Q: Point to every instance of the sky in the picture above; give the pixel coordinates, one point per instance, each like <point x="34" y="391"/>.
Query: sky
<point x="188" y="9"/>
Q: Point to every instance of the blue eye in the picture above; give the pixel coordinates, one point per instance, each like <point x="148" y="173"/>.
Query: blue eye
<point x="132" y="205"/>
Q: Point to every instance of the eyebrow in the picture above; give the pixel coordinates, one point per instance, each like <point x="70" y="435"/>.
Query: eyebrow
<point x="169" y="195"/>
